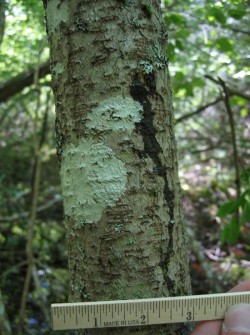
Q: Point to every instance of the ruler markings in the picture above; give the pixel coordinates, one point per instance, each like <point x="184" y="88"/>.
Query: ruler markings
<point x="171" y="315"/>
<point x="100" y="309"/>
<point x="76" y="317"/>
<point x="145" y="311"/>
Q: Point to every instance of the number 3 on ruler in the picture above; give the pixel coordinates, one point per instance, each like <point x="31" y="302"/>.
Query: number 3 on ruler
<point x="189" y="316"/>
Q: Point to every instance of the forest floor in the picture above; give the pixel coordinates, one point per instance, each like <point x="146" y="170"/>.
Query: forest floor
<point x="214" y="267"/>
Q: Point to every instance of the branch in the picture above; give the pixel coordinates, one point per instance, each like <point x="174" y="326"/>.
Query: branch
<point x="241" y="31"/>
<point x="230" y="91"/>
<point x="233" y="134"/>
<point x="238" y="93"/>
<point x="24" y="215"/>
<point x="199" y="110"/>
<point x="22" y="80"/>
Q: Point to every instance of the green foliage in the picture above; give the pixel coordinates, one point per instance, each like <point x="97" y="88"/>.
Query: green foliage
<point x="216" y="13"/>
<point x="224" y="44"/>
<point x="236" y="208"/>
<point x="24" y="37"/>
<point x="208" y="39"/>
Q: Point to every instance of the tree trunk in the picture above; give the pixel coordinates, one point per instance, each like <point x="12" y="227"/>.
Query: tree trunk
<point x="117" y="153"/>
<point x="2" y="20"/>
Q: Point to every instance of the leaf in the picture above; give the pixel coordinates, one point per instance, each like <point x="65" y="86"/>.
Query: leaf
<point x="198" y="82"/>
<point x="171" y="51"/>
<point x="234" y="231"/>
<point x="244" y="112"/>
<point x="224" y="234"/>
<point x="236" y="100"/>
<point x="228" y="208"/>
<point x="175" y="19"/>
<point x="189" y="89"/>
<point x="179" y="45"/>
<point x="217" y="14"/>
<point x="245" y="217"/>
<point x="237" y="13"/>
<point x="182" y="33"/>
<point x="230" y="232"/>
<point x="179" y="76"/>
<point x="224" y="44"/>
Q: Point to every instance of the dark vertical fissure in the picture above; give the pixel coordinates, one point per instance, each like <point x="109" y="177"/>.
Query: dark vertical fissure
<point x="152" y="148"/>
<point x="140" y="91"/>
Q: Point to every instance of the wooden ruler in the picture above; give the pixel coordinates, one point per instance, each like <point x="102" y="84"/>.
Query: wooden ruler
<point x="141" y="312"/>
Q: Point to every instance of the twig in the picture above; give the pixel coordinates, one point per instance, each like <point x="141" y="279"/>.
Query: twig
<point x="18" y="217"/>
<point x="233" y="136"/>
<point x="241" y="31"/>
<point x="230" y="91"/>
<point x="199" y="110"/>
<point x="41" y="297"/>
<point x="227" y="93"/>
<point x="20" y="81"/>
<point x="34" y="195"/>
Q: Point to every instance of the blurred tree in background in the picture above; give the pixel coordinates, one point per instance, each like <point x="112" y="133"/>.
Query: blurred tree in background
<point x="209" y="53"/>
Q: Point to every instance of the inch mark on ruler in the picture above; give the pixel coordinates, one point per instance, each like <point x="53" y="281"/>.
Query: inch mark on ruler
<point x="142" y="312"/>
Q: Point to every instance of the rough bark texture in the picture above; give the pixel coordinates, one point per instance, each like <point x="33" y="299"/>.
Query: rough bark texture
<point x="2" y="19"/>
<point x="117" y="152"/>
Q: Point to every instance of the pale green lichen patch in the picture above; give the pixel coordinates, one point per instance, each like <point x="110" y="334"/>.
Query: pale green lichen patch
<point x="57" y="12"/>
<point x="57" y="68"/>
<point x="156" y="59"/>
<point x="115" y="114"/>
<point x="92" y="179"/>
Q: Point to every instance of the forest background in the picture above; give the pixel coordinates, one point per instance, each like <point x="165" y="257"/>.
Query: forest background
<point x="209" y="59"/>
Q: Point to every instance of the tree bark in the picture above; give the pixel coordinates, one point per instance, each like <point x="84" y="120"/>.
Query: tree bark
<point x="117" y="153"/>
<point x="2" y="20"/>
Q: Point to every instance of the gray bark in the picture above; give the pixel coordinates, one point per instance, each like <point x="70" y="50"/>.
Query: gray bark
<point x="117" y="152"/>
<point x="2" y="19"/>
